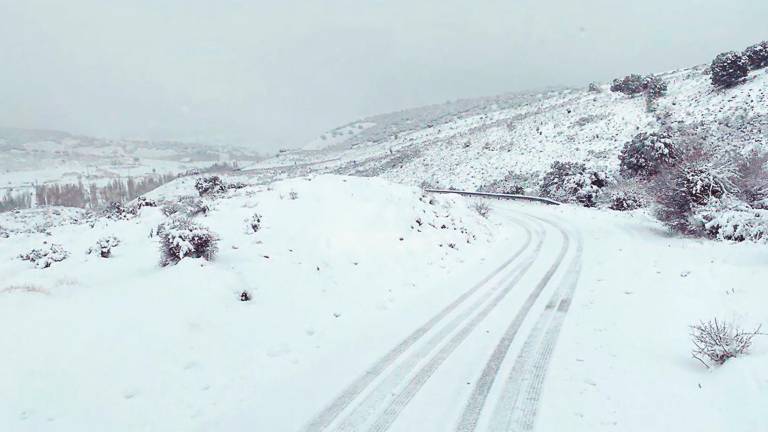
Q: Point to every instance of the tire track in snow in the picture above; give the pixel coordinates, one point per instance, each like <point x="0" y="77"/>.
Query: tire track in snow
<point x="477" y="400"/>
<point x="404" y="396"/>
<point x="387" y="388"/>
<point x="323" y="419"/>
<point x="523" y="413"/>
<point x="529" y="370"/>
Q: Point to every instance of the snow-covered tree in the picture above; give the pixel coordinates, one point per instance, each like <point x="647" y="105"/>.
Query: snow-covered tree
<point x="629" y="85"/>
<point x="210" y="185"/>
<point x="655" y="87"/>
<point x="647" y="154"/>
<point x="757" y="55"/>
<point x="728" y="69"/>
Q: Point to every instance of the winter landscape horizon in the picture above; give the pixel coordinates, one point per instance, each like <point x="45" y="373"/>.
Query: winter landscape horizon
<point x="250" y="216"/>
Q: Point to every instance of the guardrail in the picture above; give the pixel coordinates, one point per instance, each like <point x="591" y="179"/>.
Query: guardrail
<point x="495" y="195"/>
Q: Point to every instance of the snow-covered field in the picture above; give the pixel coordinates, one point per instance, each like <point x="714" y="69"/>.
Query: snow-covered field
<point x="376" y="307"/>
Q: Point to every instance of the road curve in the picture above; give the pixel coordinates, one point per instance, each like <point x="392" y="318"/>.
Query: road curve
<point x="515" y="368"/>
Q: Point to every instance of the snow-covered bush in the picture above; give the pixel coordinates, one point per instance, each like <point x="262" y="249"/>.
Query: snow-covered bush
<point x="593" y="88"/>
<point x="629" y="85"/>
<point x="104" y="246"/>
<point x="210" y="185"/>
<point x="655" y="87"/>
<point x="732" y="220"/>
<point x="293" y="195"/>
<point x="716" y="342"/>
<point x="181" y="238"/>
<point x="194" y="206"/>
<point x="652" y="86"/>
<point x="46" y="255"/>
<point x="571" y="181"/>
<point x="171" y="208"/>
<point x="728" y="69"/>
<point x="647" y="154"/>
<point x="625" y="201"/>
<point x="143" y="201"/>
<point x="189" y="206"/>
<point x="682" y="190"/>
<point x="236" y="185"/>
<point x="482" y="208"/>
<point x="254" y="223"/>
<point x="4" y="233"/>
<point x="117" y="211"/>
<point x="757" y="55"/>
<point x="511" y="184"/>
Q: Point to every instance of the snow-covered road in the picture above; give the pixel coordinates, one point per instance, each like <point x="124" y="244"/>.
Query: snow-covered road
<point x="479" y="364"/>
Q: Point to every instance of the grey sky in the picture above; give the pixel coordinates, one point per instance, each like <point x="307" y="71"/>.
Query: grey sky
<point x="277" y="73"/>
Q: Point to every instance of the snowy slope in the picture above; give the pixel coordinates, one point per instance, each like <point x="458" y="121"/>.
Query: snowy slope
<point x="469" y="144"/>
<point x="342" y="274"/>
<point x="123" y="344"/>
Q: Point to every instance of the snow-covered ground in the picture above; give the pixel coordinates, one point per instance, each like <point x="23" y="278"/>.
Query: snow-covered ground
<point x="471" y="143"/>
<point x="376" y="306"/>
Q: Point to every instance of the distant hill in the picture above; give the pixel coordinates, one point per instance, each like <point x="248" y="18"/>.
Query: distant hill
<point x="475" y="142"/>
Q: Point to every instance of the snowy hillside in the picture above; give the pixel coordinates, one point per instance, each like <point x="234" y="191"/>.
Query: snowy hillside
<point x="339" y="271"/>
<point x="469" y="144"/>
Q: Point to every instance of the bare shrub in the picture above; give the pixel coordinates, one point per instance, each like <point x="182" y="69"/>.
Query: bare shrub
<point x="26" y="288"/>
<point x="716" y="342"/>
<point x="683" y="189"/>
<point x="752" y="178"/>
<point x="293" y="195"/>
<point x="45" y="256"/>
<point x="181" y="238"/>
<point x="482" y="208"/>
<point x="512" y="184"/>
<point x="12" y="201"/>
<point x="254" y="223"/>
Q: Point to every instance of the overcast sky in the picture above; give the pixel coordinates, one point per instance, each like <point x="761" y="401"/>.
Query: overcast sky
<point x="277" y="73"/>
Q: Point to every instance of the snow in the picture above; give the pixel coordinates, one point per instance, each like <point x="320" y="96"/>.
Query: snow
<point x="133" y="345"/>
<point x="472" y="143"/>
<point x="338" y="276"/>
<point x="342" y="269"/>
